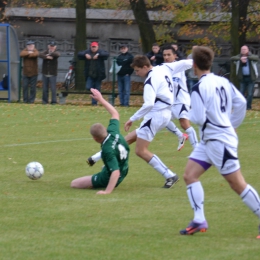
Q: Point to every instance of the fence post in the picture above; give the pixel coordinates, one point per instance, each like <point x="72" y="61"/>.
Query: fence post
<point x="114" y="81"/>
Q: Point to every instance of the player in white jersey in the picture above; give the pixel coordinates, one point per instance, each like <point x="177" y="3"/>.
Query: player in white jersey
<point x="218" y="108"/>
<point x="156" y="110"/>
<point x="181" y="105"/>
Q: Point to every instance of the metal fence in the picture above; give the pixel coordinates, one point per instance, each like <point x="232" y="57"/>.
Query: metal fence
<point x="67" y="49"/>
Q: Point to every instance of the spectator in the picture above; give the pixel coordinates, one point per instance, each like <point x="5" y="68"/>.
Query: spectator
<point x="94" y="67"/>
<point x="246" y="71"/>
<point x="180" y="55"/>
<point x="192" y="79"/>
<point x="123" y="76"/>
<point x="30" y="71"/>
<point x="155" y="55"/>
<point x="49" y="73"/>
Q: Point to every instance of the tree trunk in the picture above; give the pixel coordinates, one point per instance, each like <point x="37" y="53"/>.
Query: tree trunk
<point x="80" y="43"/>
<point x="144" y="24"/>
<point x="238" y="31"/>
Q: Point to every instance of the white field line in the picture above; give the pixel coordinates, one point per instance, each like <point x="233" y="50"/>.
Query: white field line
<point x="47" y="142"/>
<point x="81" y="139"/>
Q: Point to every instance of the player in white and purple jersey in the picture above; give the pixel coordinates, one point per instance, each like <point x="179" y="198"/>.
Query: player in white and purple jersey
<point x="181" y="106"/>
<point x="156" y="110"/>
<point x="218" y="108"/>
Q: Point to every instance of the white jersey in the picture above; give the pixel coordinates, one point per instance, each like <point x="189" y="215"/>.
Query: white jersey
<point x="181" y="93"/>
<point x="217" y="107"/>
<point x="158" y="88"/>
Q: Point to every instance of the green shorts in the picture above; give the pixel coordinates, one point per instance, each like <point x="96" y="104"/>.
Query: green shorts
<point x="101" y="179"/>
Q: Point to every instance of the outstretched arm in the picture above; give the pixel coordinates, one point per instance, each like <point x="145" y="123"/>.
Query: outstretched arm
<point x="112" y="183"/>
<point x="110" y="109"/>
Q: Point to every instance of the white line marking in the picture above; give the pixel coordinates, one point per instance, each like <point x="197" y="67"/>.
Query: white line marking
<point x="81" y="139"/>
<point x="46" y="142"/>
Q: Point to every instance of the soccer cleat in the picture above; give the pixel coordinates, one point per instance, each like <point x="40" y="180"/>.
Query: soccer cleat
<point x="90" y="161"/>
<point x="194" y="227"/>
<point x="171" y="181"/>
<point x="182" y="141"/>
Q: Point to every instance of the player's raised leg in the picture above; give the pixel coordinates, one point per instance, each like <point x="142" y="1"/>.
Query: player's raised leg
<point x="247" y="193"/>
<point x="142" y="151"/>
<point x="185" y="124"/>
<point x="182" y="137"/>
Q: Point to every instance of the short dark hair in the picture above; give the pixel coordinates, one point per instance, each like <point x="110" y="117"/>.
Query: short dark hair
<point x="140" y="61"/>
<point x="203" y="57"/>
<point x="169" y="47"/>
<point x="155" y="44"/>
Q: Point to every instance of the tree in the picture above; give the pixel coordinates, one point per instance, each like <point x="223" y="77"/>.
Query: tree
<point x="144" y="24"/>
<point x="2" y="9"/>
<point x="80" y="42"/>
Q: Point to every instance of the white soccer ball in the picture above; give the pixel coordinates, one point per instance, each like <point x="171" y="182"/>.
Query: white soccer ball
<point x="34" y="170"/>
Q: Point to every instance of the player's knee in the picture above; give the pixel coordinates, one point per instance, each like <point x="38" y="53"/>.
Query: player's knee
<point x="189" y="178"/>
<point x="138" y="152"/>
<point x="185" y="177"/>
<point x="73" y="184"/>
<point x="185" y="123"/>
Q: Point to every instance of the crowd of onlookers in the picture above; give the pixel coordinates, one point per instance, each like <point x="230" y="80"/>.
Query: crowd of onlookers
<point x="95" y="72"/>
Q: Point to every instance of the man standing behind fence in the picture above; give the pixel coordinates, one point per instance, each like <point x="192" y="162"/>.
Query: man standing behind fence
<point x="246" y="71"/>
<point x="30" y="71"/>
<point x="123" y="76"/>
<point x="49" y="73"/>
<point x="94" y="67"/>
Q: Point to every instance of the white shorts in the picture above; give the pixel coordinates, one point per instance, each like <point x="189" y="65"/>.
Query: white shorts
<point x="152" y="123"/>
<point x="180" y="111"/>
<point x="217" y="153"/>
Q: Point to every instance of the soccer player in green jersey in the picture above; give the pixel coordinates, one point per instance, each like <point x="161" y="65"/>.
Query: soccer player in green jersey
<point x="114" y="152"/>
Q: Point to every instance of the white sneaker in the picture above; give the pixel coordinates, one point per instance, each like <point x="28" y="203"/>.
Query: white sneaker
<point x="182" y="141"/>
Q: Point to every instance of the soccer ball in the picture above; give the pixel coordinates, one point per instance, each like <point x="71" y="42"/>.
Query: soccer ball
<point x="34" y="170"/>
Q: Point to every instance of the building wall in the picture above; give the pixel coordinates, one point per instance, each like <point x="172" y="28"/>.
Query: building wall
<point x="108" y="27"/>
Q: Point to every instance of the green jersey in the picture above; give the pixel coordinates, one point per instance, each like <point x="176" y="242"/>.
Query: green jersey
<point x="115" y="153"/>
<point x="115" y="150"/>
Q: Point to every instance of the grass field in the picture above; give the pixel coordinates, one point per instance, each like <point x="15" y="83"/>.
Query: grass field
<point x="46" y="219"/>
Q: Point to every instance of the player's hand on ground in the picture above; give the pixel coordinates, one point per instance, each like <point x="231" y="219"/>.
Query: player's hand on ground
<point x="90" y="161"/>
<point x="102" y="192"/>
<point x="96" y="94"/>
<point x="128" y="124"/>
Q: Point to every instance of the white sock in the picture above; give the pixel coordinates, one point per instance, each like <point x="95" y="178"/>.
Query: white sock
<point x="174" y="129"/>
<point x="96" y="157"/>
<point x="196" y="197"/>
<point x="251" y="198"/>
<point x="160" y="167"/>
<point x="192" y="136"/>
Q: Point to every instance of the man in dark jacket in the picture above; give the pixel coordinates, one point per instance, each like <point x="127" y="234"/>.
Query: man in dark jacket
<point x="123" y="76"/>
<point x="94" y="67"/>
<point x="30" y="71"/>
<point x="49" y="73"/>
<point x="247" y="73"/>
<point x="155" y="55"/>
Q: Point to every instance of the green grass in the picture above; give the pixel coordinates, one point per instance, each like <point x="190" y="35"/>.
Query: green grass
<point x="46" y="219"/>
